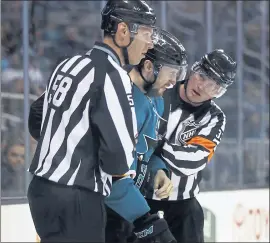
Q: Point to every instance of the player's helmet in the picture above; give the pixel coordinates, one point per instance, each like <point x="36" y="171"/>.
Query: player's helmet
<point x="219" y="66"/>
<point x="168" y="50"/>
<point x="128" y="11"/>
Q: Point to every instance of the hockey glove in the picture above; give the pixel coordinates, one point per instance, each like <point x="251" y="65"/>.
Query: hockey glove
<point x="152" y="229"/>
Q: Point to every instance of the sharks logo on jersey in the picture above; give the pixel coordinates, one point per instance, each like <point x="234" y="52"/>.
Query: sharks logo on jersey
<point x="148" y="113"/>
<point x="149" y="144"/>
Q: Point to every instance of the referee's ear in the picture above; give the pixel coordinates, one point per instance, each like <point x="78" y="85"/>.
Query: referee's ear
<point x="122" y="35"/>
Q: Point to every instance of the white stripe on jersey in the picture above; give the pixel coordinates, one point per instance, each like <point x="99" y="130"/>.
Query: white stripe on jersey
<point x="117" y="116"/>
<point x="46" y="139"/>
<point x="96" y="185"/>
<point x="73" y="140"/>
<point x="82" y="64"/>
<point x="185" y="171"/>
<point x="207" y="130"/>
<point x="173" y="120"/>
<point x="206" y="118"/>
<point x="175" y="181"/>
<point x="58" y="138"/>
<point x="104" y="177"/>
<point x="70" y="63"/>
<point x="72" y="178"/>
<point x="181" y="155"/>
<point x="189" y="184"/>
<point x="107" y="189"/>
<point x="128" y="88"/>
<point x="196" y="190"/>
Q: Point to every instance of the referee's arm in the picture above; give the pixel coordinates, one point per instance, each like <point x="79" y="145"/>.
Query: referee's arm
<point x="193" y="157"/>
<point x="114" y="119"/>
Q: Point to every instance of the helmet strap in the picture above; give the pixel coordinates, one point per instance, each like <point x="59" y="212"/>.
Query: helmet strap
<point x="148" y="84"/>
<point x="124" y="49"/>
<point x="125" y="55"/>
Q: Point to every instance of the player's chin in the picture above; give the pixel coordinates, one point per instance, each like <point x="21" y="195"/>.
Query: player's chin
<point x="161" y="91"/>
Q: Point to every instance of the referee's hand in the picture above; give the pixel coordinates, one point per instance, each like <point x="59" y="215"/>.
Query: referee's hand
<point x="162" y="185"/>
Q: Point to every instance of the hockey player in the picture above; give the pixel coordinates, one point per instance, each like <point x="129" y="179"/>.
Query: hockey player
<point x="88" y="128"/>
<point x="159" y="70"/>
<point x="195" y="125"/>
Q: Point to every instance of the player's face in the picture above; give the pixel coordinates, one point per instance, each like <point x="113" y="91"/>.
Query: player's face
<point x="141" y="43"/>
<point x="166" y="79"/>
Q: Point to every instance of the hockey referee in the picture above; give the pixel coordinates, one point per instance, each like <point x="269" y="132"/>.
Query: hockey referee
<point x="88" y="129"/>
<point x="194" y="129"/>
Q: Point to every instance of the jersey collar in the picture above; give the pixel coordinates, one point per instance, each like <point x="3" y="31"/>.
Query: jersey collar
<point x="178" y="102"/>
<point x="106" y="48"/>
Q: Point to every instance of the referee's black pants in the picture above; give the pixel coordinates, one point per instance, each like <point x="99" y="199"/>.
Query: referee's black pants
<point x="66" y="214"/>
<point x="185" y="218"/>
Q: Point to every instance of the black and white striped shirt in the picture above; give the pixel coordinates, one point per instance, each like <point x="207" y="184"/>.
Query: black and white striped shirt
<point x="192" y="135"/>
<point x="88" y="122"/>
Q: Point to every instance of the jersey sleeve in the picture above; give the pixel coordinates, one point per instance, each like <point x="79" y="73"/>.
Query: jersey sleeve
<point x="156" y="163"/>
<point x="35" y="117"/>
<point x="192" y="157"/>
<point x="127" y="200"/>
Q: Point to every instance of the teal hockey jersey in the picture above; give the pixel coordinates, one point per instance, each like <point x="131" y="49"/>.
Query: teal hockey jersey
<point x="126" y="198"/>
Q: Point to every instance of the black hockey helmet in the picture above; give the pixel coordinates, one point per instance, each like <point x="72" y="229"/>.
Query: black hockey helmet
<point x="219" y="66"/>
<point x="128" y="11"/>
<point x="167" y="51"/>
<point x="133" y="12"/>
<point x="218" y="69"/>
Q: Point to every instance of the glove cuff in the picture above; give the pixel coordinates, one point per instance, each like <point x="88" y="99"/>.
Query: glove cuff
<point x="152" y="226"/>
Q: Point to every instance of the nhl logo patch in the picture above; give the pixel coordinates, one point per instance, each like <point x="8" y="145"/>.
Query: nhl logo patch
<point x="188" y="130"/>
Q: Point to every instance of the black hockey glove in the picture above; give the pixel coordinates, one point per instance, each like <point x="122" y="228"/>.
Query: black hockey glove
<point x="152" y="229"/>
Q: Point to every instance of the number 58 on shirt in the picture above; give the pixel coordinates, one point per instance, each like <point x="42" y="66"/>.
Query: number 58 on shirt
<point x="59" y="90"/>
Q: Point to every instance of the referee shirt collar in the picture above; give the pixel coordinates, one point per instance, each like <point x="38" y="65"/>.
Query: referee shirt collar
<point x="177" y="101"/>
<point x="106" y="48"/>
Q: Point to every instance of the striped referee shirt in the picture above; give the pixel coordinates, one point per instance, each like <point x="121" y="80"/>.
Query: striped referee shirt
<point x="192" y="135"/>
<point x="88" y="126"/>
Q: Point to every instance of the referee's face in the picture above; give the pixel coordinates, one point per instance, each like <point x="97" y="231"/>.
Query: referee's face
<point x="141" y="43"/>
<point x="195" y="92"/>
